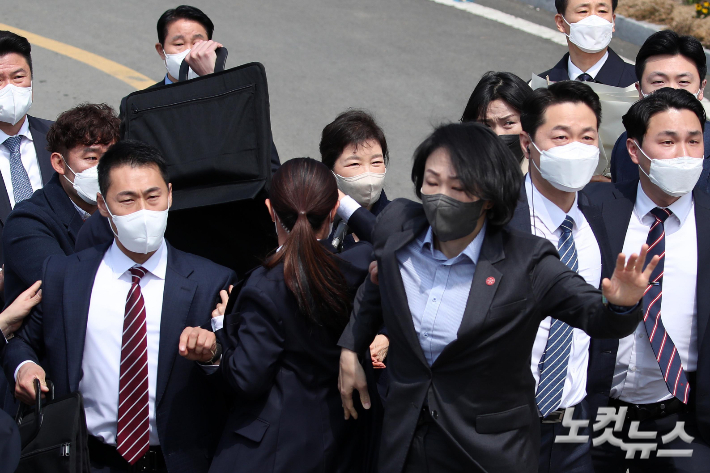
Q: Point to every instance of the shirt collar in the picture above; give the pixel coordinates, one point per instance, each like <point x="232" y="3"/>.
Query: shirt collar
<point x="24" y="131"/>
<point x="472" y="251"/>
<point x="83" y="213"/>
<point x="550" y="214"/>
<point x="575" y="71"/>
<point x="681" y="208"/>
<point x="120" y="263"/>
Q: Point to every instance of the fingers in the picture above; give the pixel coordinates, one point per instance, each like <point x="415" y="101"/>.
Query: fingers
<point x="651" y="267"/>
<point x="348" y="406"/>
<point x="182" y="344"/>
<point x="374" y="273"/>
<point x="606" y="285"/>
<point x="642" y="258"/>
<point x="224" y="295"/>
<point x="231" y="286"/>
<point x="197" y="344"/>
<point x="620" y="262"/>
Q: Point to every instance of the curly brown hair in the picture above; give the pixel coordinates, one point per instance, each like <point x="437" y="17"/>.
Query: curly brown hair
<point x="84" y="125"/>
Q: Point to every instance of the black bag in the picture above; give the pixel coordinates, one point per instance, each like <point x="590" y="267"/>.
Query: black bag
<point x="215" y="134"/>
<point x="54" y="437"/>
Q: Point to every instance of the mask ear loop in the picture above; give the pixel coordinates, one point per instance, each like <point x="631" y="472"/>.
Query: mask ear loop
<point x="109" y="212"/>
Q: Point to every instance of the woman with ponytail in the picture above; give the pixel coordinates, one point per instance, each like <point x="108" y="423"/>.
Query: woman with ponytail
<point x="281" y="354"/>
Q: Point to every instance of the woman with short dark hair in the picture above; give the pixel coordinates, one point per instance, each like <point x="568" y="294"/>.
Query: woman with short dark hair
<point x="462" y="296"/>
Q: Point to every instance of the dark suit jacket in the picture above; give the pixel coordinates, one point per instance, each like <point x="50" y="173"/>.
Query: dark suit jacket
<point x="480" y="389"/>
<point x="9" y="443"/>
<point x="623" y="169"/>
<point x="617" y="203"/>
<point x="362" y="221"/>
<point x="614" y="72"/>
<point x="284" y="369"/>
<point x="189" y="410"/>
<point x="43" y="225"/>
<point x="275" y="161"/>
<point x="39" y="129"/>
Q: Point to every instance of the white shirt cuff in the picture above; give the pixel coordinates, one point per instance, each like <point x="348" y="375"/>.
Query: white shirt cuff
<point x="20" y="366"/>
<point x="347" y="208"/>
<point x="210" y="369"/>
<point x="217" y="323"/>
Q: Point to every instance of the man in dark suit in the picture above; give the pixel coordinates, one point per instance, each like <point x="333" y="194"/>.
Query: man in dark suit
<point x="588" y="25"/>
<point x="117" y="316"/>
<point x="185" y="33"/>
<point x="24" y="160"/>
<point x="463" y="298"/>
<point x="552" y="206"/>
<point x="661" y="373"/>
<point x="666" y="59"/>
<point x="48" y="222"/>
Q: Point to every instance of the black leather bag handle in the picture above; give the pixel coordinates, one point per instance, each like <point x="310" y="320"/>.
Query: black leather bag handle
<point x="39" y="409"/>
<point x="218" y="65"/>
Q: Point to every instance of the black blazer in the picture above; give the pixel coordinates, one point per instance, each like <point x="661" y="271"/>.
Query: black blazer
<point x="190" y="408"/>
<point x="9" y="444"/>
<point x="45" y="224"/>
<point x="39" y="129"/>
<point x="275" y="161"/>
<point x="617" y="203"/>
<point x="623" y="169"/>
<point x="288" y="416"/>
<point x="480" y="389"/>
<point x="614" y="72"/>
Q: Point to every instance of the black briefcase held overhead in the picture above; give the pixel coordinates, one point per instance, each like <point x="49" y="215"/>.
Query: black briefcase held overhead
<point x="54" y="435"/>
<point x="214" y="132"/>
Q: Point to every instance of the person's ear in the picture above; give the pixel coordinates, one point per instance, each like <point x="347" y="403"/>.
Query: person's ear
<point x="101" y="203"/>
<point x="702" y="89"/>
<point x="561" y="25"/>
<point x="488" y="205"/>
<point x="159" y="50"/>
<point x="613" y="20"/>
<point x="271" y="210"/>
<point x="633" y="150"/>
<point x="525" y="145"/>
<point x="170" y="195"/>
<point x="57" y="163"/>
<point x="638" y="88"/>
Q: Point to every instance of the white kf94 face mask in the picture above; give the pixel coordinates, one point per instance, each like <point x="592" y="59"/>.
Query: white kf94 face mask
<point x="591" y="34"/>
<point x="173" y="62"/>
<point x="86" y="183"/>
<point x="364" y="188"/>
<point x="141" y="231"/>
<point x="15" y="102"/>
<point x="676" y="176"/>
<point x="568" y="168"/>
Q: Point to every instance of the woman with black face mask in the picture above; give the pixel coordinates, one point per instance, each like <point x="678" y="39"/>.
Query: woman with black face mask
<point x="462" y="297"/>
<point x="496" y="102"/>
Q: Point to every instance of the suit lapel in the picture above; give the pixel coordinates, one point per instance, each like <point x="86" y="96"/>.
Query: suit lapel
<point x="616" y="214"/>
<point x="39" y="138"/>
<point x="559" y="72"/>
<point x="612" y="70"/>
<point x="521" y="217"/>
<point x="480" y="295"/>
<point x="596" y="222"/>
<point x="78" y="285"/>
<point x="177" y="299"/>
<point x="702" y="224"/>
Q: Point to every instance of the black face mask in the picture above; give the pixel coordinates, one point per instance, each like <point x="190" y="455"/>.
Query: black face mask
<point x="513" y="144"/>
<point x="451" y="219"/>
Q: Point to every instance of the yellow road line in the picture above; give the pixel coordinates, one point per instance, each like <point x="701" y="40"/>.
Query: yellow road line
<point x="112" y="68"/>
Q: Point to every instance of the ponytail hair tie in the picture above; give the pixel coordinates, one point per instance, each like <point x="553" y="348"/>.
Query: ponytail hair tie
<point x="302" y="212"/>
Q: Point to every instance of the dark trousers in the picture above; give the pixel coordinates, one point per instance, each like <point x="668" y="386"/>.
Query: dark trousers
<point x="610" y="459"/>
<point x="566" y="457"/>
<point x="106" y="459"/>
<point x="432" y="451"/>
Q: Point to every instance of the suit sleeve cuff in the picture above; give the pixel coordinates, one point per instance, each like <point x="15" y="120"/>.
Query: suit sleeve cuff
<point x="621" y="310"/>
<point x="17" y="370"/>
<point x="347" y="208"/>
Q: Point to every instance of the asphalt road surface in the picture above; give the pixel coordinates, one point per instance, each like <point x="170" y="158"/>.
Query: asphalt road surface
<point x="412" y="63"/>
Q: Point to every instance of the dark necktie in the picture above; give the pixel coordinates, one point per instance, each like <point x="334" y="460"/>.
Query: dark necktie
<point x="584" y="77"/>
<point x="666" y="354"/>
<point x="553" y="364"/>
<point x="132" y="432"/>
<point x="21" y="186"/>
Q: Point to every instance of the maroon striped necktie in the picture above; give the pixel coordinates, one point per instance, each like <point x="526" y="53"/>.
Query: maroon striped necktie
<point x="132" y="436"/>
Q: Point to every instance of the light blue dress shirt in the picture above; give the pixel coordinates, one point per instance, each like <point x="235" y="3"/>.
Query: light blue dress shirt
<point x="437" y="289"/>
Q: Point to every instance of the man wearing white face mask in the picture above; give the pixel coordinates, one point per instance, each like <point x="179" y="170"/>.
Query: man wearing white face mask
<point x="660" y="374"/>
<point x="24" y="160"/>
<point x="588" y="25"/>
<point x="560" y="139"/>
<point x="666" y="59"/>
<point x="115" y="319"/>
<point x="48" y="222"/>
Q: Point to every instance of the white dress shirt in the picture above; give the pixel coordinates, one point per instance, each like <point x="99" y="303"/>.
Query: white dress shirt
<point x="29" y="160"/>
<point x="545" y="220"/>
<point x="347" y="208"/>
<point x="637" y="376"/>
<point x="575" y="71"/>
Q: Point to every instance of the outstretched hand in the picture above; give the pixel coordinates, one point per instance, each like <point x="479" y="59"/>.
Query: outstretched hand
<point x="629" y="282"/>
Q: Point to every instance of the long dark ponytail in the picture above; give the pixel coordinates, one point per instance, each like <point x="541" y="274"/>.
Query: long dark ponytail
<point x="303" y="194"/>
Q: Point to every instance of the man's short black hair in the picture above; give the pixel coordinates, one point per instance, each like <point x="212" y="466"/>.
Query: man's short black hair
<point x="639" y="115"/>
<point x="353" y="127"/>
<point x="483" y="163"/>
<point x="183" y="12"/>
<point x="568" y="91"/>
<point x="14" y="43"/>
<point x="129" y="153"/>
<point x="670" y="43"/>
<point x="504" y="86"/>
<point x="561" y="6"/>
